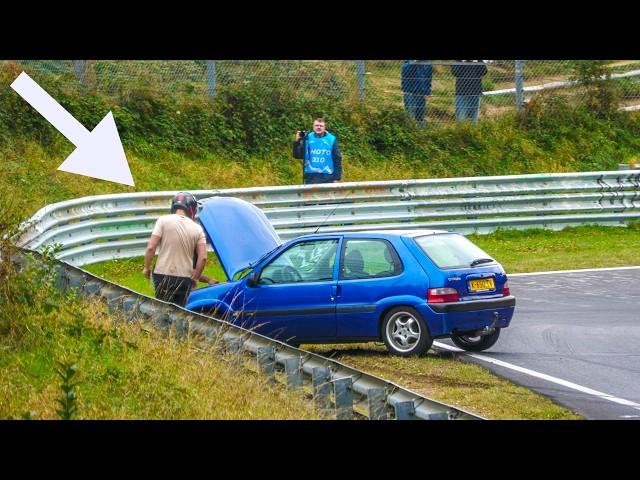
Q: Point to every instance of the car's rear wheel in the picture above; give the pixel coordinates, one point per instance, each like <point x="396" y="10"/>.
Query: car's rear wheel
<point x="473" y="342"/>
<point x="405" y="333"/>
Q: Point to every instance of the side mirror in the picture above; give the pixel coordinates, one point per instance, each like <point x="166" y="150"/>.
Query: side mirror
<point x="252" y="281"/>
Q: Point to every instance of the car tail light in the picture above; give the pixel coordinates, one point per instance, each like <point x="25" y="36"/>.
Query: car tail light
<point x="505" y="290"/>
<point x="442" y="295"/>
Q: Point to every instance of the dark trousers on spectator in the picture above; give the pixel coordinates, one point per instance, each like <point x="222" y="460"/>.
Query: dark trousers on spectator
<point x="416" y="106"/>
<point x="467" y="107"/>
<point x="313" y="178"/>
<point x="172" y="289"/>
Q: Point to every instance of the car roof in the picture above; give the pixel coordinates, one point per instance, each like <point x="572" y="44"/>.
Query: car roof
<point x="378" y="233"/>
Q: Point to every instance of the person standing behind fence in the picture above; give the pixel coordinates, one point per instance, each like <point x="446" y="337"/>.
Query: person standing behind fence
<point x="415" y="80"/>
<point x="320" y="152"/>
<point x="468" y="75"/>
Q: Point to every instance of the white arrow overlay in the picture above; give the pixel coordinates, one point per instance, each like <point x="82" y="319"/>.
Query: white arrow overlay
<point x="99" y="153"/>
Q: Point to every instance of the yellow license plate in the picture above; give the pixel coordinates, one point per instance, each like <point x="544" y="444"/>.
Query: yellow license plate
<point x="482" y="284"/>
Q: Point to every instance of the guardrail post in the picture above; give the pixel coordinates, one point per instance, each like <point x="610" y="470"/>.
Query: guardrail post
<point x="321" y="378"/>
<point x="343" y="394"/>
<point x="181" y="325"/>
<point x="130" y="307"/>
<point x="92" y="287"/>
<point x="405" y="410"/>
<point x="62" y="282"/>
<point x="267" y="361"/>
<point x="162" y="320"/>
<point x="293" y="371"/>
<point x="76" y="280"/>
<point x="377" y="403"/>
<point x="233" y="344"/>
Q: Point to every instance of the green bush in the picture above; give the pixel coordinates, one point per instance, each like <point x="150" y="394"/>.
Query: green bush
<point x="256" y="121"/>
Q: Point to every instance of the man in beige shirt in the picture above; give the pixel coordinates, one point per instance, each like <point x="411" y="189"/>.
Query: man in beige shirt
<point x="179" y="238"/>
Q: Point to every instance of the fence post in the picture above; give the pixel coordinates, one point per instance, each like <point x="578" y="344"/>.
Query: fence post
<point x="360" y="77"/>
<point x="211" y="77"/>
<point x="78" y="69"/>
<point x="519" y="84"/>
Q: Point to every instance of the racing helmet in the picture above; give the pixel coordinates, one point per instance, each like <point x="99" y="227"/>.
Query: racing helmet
<point x="186" y="202"/>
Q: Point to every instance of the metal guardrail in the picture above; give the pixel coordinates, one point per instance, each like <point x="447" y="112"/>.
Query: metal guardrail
<point x="94" y="229"/>
<point x="339" y="390"/>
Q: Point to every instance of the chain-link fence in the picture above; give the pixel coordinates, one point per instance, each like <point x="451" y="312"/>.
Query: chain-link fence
<point x="438" y="90"/>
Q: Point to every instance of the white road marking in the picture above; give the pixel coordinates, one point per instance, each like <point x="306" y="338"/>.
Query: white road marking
<point x="570" y="271"/>
<point x="543" y="376"/>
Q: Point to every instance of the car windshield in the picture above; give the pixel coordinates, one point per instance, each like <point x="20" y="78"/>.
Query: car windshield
<point x="451" y="250"/>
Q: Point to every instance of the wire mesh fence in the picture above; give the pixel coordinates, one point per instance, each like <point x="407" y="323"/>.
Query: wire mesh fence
<point x="431" y="91"/>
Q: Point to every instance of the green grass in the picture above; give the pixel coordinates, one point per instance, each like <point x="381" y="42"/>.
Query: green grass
<point x="521" y="251"/>
<point x="125" y="369"/>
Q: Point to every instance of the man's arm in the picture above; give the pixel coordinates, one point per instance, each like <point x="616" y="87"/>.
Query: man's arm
<point x="201" y="251"/>
<point x="149" y="253"/>
<point x="337" y="162"/>
<point x="209" y="280"/>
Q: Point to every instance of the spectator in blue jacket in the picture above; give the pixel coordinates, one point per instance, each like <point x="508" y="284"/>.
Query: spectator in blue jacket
<point x="468" y="75"/>
<point x="320" y="152"/>
<point x="415" y="80"/>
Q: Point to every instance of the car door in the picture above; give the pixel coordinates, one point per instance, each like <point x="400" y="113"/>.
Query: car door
<point x="295" y="293"/>
<point x="370" y="270"/>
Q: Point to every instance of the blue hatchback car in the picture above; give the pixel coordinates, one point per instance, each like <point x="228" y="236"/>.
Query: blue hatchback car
<point x="402" y="287"/>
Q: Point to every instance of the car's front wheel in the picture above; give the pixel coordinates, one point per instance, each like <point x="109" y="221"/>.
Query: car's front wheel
<point x="473" y="342"/>
<point x="405" y="333"/>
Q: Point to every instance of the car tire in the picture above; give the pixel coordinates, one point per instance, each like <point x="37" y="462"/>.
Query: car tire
<point x="405" y="333"/>
<point x="475" y="343"/>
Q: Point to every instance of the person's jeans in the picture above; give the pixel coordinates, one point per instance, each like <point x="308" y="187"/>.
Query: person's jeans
<point x="416" y="106"/>
<point x="467" y="107"/>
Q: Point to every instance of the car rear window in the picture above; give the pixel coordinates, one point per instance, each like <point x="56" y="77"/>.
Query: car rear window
<point x="450" y="250"/>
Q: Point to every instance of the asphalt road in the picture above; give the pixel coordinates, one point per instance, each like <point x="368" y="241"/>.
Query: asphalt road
<point x="579" y="335"/>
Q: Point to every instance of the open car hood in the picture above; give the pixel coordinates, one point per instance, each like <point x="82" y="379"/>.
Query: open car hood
<point x="239" y="232"/>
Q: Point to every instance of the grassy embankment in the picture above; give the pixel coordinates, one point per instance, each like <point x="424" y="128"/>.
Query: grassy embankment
<point x="242" y="139"/>
<point x="124" y="369"/>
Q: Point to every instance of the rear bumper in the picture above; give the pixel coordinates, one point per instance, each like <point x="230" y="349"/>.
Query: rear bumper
<point x="474" y="305"/>
<point x="495" y="313"/>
